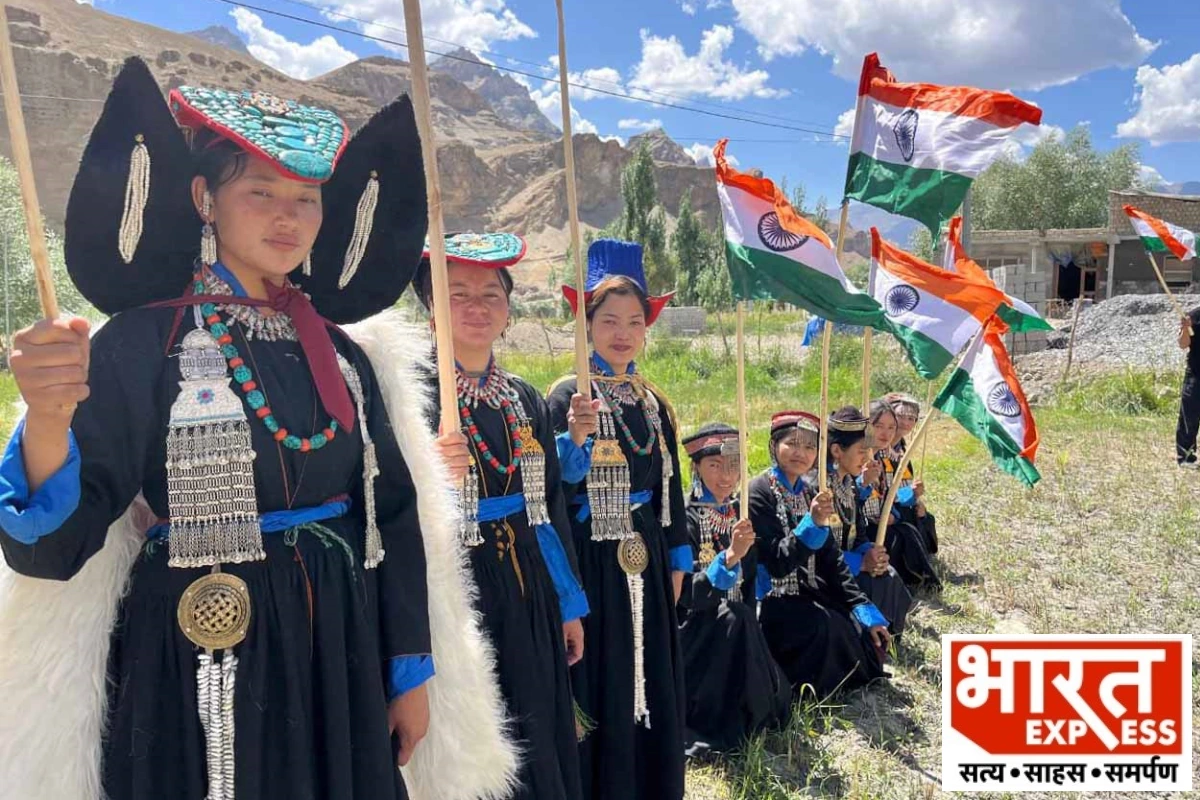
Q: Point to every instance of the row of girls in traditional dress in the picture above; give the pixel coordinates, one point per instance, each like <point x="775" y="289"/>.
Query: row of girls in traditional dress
<point x="622" y="614"/>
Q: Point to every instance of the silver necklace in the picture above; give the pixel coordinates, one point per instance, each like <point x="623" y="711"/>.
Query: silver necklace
<point x="273" y="328"/>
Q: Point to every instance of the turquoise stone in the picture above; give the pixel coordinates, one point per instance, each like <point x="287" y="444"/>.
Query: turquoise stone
<point x="291" y="442"/>
<point x="294" y="144"/>
<point x="318" y="441"/>
<point x="270" y="424"/>
<point x="256" y="399"/>
<point x="291" y="131"/>
<point x="241" y="374"/>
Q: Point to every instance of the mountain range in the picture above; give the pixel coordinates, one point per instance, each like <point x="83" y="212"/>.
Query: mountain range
<point x="500" y="158"/>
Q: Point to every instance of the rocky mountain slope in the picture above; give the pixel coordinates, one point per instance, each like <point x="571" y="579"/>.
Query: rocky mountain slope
<point x="509" y="99"/>
<point x="662" y="147"/>
<point x="497" y="173"/>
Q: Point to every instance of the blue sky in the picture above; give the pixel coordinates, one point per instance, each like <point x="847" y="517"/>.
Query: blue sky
<point x="1129" y="70"/>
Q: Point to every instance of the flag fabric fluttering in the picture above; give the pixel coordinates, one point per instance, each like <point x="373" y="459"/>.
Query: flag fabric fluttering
<point x="1159" y="236"/>
<point x="932" y="312"/>
<point x="774" y="253"/>
<point x="1019" y="315"/>
<point x="917" y="146"/>
<point x="986" y="398"/>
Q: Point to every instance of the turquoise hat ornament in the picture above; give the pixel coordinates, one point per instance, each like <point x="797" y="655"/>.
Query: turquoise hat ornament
<point x="302" y="142"/>
<point x="491" y="250"/>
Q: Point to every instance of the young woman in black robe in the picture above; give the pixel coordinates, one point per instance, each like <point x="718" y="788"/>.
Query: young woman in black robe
<point x="851" y="475"/>
<point x="627" y="515"/>
<point x="908" y="414"/>
<point x="905" y="542"/>
<point x="261" y="486"/>
<point x="520" y="540"/>
<point x="734" y="687"/>
<point x="821" y="629"/>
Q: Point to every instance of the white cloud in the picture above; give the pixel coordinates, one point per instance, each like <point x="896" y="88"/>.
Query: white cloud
<point x="1017" y="44"/>
<point x="1027" y="137"/>
<point x="612" y="137"/>
<point x="292" y="58"/>
<point x="1150" y="178"/>
<point x="845" y="125"/>
<point x="86" y="2"/>
<point x="475" y="24"/>
<point x="702" y="154"/>
<point x="666" y="67"/>
<point x="1168" y="104"/>
<point x="639" y="124"/>
<point x="688" y="7"/>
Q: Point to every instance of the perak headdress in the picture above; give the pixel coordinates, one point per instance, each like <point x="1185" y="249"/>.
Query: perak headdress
<point x="131" y="227"/>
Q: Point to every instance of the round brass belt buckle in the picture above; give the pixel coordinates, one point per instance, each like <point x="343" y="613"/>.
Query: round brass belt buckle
<point x="214" y="612"/>
<point x="633" y="555"/>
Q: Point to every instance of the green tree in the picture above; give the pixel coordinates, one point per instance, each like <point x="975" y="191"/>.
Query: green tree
<point x="714" y="289"/>
<point x="820" y="215"/>
<point x="1064" y="183"/>
<point x="644" y="221"/>
<point x="920" y="244"/>
<point x="689" y="251"/>
<point x="18" y="288"/>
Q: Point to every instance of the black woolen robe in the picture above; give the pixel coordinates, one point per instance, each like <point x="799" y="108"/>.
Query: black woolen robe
<point x="521" y="614"/>
<point x="734" y="686"/>
<point x="812" y="635"/>
<point x="310" y="698"/>
<point x="622" y="759"/>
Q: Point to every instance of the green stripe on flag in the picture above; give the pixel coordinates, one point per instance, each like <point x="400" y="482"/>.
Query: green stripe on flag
<point x="959" y="399"/>
<point x="927" y="195"/>
<point x="762" y="275"/>
<point x="1154" y="244"/>
<point x="1021" y="322"/>
<point x="928" y="357"/>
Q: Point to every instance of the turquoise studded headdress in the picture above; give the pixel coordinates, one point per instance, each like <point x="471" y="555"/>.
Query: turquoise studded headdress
<point x="304" y="143"/>
<point x="132" y="230"/>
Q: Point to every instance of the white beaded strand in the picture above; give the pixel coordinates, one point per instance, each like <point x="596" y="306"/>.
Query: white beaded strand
<point x="364" y="221"/>
<point x="137" y="193"/>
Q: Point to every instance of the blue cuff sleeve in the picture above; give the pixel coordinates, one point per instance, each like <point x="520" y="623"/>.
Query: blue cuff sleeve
<point x="681" y="558"/>
<point x="868" y="615"/>
<point x="575" y="461"/>
<point x="407" y="672"/>
<point x="865" y="490"/>
<point x="854" y="558"/>
<point x="720" y="576"/>
<point x="27" y="519"/>
<point x="762" y="582"/>
<point x="810" y="534"/>
<point x="906" y="497"/>
<point x="572" y="600"/>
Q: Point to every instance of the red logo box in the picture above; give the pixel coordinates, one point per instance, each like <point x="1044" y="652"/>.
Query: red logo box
<point x="1070" y="713"/>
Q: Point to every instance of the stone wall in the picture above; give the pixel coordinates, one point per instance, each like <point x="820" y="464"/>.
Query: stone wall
<point x="1018" y="280"/>
<point x="682" y="320"/>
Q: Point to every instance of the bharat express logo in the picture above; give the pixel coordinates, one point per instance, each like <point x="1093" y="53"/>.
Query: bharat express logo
<point x="1066" y="713"/>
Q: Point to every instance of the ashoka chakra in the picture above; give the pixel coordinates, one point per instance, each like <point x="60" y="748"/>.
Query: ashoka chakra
<point x="1002" y="401"/>
<point x="900" y="300"/>
<point x="777" y="237"/>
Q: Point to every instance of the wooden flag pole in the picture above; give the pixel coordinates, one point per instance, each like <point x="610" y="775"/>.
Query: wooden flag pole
<point x="743" y="424"/>
<point x="583" y="382"/>
<point x="868" y="333"/>
<point x="24" y="163"/>
<point x="447" y="388"/>
<point x="1075" y="324"/>
<point x="826" y="341"/>
<point x="906" y="459"/>
<point x="925" y="441"/>
<point x="1161" y="279"/>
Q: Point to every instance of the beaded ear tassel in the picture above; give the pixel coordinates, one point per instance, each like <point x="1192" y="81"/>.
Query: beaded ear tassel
<point x="364" y="221"/>
<point x="137" y="193"/>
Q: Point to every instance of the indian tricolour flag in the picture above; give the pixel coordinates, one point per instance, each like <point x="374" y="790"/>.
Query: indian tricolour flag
<point x="1161" y="237"/>
<point x="986" y="398"/>
<point x="1019" y="315"/>
<point x="917" y="147"/>
<point x="934" y="313"/>
<point x="773" y="253"/>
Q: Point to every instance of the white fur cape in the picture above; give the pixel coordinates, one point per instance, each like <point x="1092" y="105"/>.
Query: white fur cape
<point x="54" y="636"/>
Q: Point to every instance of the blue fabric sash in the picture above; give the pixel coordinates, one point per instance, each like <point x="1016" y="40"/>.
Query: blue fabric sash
<point x="585" y="508"/>
<point x="277" y="521"/>
<point x="492" y="509"/>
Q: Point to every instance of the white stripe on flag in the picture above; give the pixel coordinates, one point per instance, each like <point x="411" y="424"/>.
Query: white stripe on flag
<point x="942" y="321"/>
<point x="939" y="140"/>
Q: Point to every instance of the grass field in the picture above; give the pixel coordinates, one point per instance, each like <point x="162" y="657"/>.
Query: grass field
<point x="1109" y="541"/>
